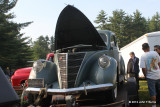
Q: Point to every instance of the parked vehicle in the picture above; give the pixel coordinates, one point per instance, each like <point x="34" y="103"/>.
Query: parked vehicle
<point x="86" y="62"/>
<point x="8" y="96"/>
<point x="152" y="39"/>
<point x="21" y="75"/>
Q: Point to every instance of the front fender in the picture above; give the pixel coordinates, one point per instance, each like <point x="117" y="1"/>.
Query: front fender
<point x="48" y="73"/>
<point x="16" y="80"/>
<point x="99" y="75"/>
<point x="91" y="71"/>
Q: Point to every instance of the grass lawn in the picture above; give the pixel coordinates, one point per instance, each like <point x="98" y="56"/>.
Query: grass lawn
<point x="144" y="94"/>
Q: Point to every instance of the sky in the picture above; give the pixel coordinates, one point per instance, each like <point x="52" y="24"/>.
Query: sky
<point x="44" y="13"/>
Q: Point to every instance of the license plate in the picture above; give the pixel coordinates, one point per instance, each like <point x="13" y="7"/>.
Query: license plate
<point x="36" y="83"/>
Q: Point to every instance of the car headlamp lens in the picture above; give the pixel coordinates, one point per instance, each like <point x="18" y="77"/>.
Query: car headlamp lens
<point x="104" y="61"/>
<point x="37" y="66"/>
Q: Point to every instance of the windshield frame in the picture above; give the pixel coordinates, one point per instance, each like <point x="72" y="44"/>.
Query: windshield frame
<point x="106" y="37"/>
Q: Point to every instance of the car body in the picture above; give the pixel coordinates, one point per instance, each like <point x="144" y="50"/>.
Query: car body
<point x="21" y="75"/>
<point x="85" y="61"/>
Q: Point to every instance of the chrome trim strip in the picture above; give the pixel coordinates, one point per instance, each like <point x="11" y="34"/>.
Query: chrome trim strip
<point x="73" y="90"/>
<point x="58" y="72"/>
<point x="67" y="70"/>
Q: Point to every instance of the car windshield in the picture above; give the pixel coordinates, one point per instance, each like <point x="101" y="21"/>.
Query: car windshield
<point x="104" y="37"/>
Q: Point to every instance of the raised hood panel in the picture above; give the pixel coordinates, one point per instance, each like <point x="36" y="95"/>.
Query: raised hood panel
<point x="74" y="28"/>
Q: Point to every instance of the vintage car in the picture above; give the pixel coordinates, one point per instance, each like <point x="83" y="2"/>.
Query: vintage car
<point x="86" y="61"/>
<point x="21" y="75"/>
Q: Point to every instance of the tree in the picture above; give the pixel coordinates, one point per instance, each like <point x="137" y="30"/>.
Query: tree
<point x="14" y="49"/>
<point x="52" y="39"/>
<point x="154" y="24"/>
<point x="101" y="19"/>
<point x="6" y="5"/>
<point x="126" y="27"/>
<point x="40" y="47"/>
<point x="139" y="24"/>
<point x="128" y="30"/>
<point x="117" y="25"/>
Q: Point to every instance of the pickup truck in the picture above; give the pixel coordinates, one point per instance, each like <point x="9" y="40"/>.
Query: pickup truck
<point x="22" y="74"/>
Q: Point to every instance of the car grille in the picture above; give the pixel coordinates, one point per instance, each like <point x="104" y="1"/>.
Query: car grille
<point x="62" y="61"/>
<point x="69" y="66"/>
<point x="74" y="63"/>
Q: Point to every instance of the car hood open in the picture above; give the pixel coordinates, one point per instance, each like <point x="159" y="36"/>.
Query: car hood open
<point x="74" y="28"/>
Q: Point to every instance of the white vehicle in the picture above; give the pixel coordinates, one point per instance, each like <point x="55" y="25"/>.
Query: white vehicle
<point x="152" y="39"/>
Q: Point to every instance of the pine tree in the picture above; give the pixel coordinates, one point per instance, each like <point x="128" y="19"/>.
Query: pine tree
<point x="101" y="19"/>
<point x="139" y="24"/>
<point x="14" y="51"/>
<point x="117" y="25"/>
<point x="154" y="24"/>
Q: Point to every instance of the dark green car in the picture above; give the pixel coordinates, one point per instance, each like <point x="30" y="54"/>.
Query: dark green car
<point x="85" y="61"/>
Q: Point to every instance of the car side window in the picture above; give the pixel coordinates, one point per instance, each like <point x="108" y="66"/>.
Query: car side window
<point x="113" y="41"/>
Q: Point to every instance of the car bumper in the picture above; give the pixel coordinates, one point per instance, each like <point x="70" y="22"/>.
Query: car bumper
<point x="101" y="87"/>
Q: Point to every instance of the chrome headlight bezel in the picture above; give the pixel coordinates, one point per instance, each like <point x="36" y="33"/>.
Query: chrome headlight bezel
<point x="104" y="61"/>
<point x="37" y="66"/>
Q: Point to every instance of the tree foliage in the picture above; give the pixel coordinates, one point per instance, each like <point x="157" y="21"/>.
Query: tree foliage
<point x="14" y="49"/>
<point x="127" y="27"/>
<point x="40" y="47"/>
<point x="154" y="24"/>
<point x="101" y="20"/>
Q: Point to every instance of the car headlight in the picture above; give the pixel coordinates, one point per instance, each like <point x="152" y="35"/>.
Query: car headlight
<point x="37" y="66"/>
<point x="104" y="61"/>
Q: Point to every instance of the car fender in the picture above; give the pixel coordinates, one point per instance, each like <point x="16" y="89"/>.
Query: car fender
<point x="90" y="70"/>
<point x="48" y="73"/>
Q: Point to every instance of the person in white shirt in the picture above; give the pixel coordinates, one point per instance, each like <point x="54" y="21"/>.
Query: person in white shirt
<point x="150" y="64"/>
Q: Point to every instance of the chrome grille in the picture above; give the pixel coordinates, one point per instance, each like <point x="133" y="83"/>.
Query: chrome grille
<point x="74" y="63"/>
<point x="69" y="65"/>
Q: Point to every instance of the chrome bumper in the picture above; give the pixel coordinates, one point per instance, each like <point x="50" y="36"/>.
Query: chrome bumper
<point x="77" y="90"/>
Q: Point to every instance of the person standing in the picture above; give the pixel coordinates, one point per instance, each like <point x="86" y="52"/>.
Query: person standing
<point x="133" y="67"/>
<point x="150" y="64"/>
<point x="157" y="49"/>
